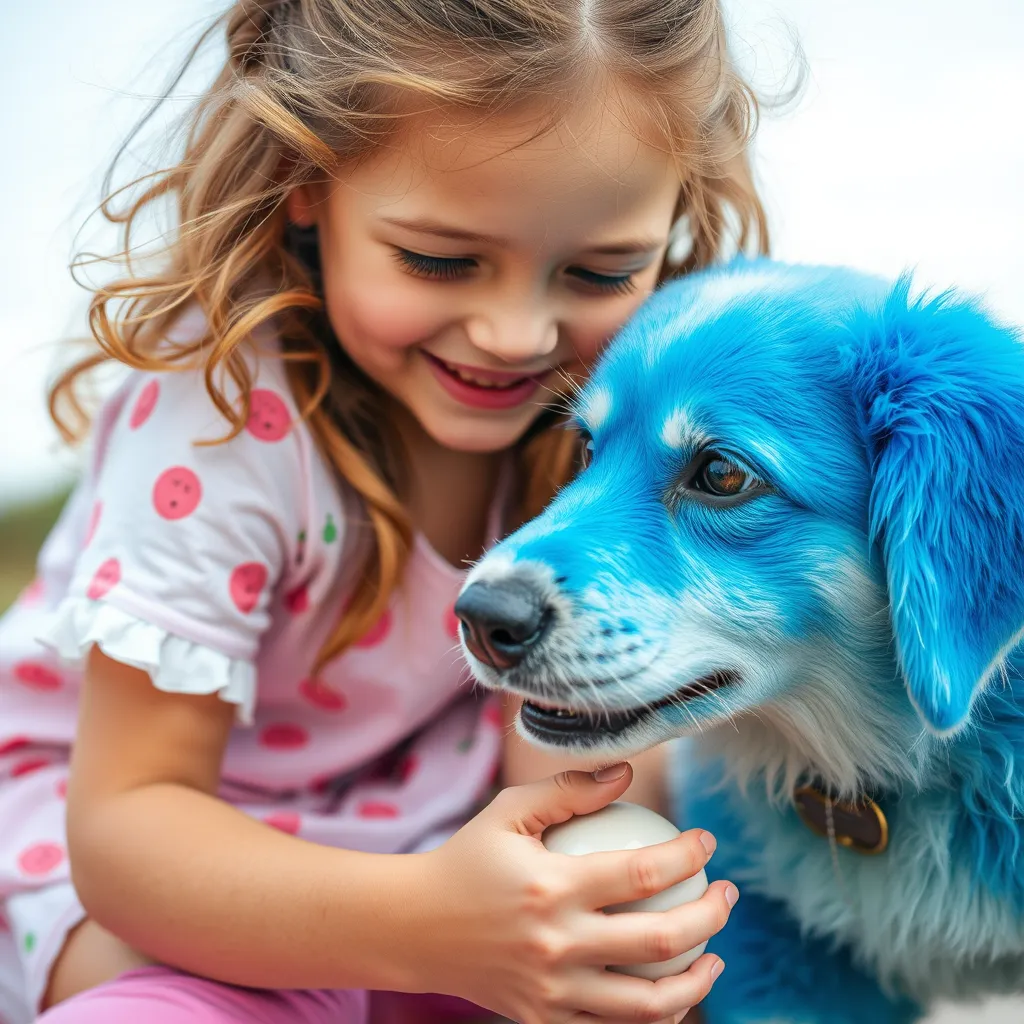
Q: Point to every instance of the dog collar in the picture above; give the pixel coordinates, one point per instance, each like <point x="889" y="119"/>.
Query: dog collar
<point x="858" y="825"/>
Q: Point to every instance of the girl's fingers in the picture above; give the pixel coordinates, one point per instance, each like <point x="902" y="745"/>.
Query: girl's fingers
<point x="615" y="997"/>
<point x="531" y="808"/>
<point x="620" y="877"/>
<point x="647" y="937"/>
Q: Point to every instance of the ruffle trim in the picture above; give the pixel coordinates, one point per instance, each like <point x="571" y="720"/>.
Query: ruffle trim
<point x="174" y="664"/>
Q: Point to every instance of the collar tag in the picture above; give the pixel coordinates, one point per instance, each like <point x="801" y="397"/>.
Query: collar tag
<point x="860" y="826"/>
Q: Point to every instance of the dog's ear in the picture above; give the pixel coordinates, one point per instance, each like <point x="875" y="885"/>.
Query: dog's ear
<point x="939" y="392"/>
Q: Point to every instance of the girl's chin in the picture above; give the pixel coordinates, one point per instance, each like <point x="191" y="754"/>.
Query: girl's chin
<point x="478" y="436"/>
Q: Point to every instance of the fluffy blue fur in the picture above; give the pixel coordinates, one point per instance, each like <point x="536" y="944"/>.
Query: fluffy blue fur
<point x="870" y="601"/>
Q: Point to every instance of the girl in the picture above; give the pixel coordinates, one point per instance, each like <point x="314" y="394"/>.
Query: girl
<point x="402" y="226"/>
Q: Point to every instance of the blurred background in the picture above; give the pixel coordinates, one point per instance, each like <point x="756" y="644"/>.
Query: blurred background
<point x="906" y="149"/>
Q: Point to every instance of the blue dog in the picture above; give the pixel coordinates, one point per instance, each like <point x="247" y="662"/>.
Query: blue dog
<point x="800" y="543"/>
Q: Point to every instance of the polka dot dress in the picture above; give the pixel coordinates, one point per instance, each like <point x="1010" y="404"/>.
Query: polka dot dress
<point x="223" y="569"/>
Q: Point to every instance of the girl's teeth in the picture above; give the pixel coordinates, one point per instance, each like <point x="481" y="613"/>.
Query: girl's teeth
<point x="469" y="379"/>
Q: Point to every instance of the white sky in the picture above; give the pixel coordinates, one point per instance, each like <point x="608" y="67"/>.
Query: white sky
<point x="906" y="150"/>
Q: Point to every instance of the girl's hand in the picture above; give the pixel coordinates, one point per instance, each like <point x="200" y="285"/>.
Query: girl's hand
<point x="518" y="929"/>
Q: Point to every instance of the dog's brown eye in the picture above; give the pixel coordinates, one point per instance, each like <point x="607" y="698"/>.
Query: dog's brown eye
<point x="723" y="478"/>
<point x="584" y="451"/>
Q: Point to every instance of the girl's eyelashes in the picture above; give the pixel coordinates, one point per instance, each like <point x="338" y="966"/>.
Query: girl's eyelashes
<point x="450" y="268"/>
<point x="438" y="268"/>
<point x="617" y="284"/>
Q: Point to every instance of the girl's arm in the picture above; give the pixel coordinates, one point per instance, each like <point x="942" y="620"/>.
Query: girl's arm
<point x="185" y="878"/>
<point x="159" y="861"/>
<point x="522" y="763"/>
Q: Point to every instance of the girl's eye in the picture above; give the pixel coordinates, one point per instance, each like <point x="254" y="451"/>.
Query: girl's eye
<point x="720" y="478"/>
<point x="437" y="268"/>
<point x="617" y="284"/>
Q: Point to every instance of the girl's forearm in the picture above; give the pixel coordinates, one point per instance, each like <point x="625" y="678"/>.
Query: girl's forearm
<point x="194" y="883"/>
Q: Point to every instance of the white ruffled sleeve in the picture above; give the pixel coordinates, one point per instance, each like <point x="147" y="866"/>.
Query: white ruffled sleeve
<point x="186" y="544"/>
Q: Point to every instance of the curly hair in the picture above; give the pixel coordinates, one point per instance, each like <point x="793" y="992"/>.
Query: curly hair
<point x="310" y="85"/>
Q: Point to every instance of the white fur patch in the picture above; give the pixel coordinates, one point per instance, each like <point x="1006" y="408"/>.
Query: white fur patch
<point x="679" y="431"/>
<point x="495" y="566"/>
<point x="596" y="408"/>
<point x="841" y="580"/>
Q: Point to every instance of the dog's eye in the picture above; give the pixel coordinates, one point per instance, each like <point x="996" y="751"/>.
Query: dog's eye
<point x="723" y="478"/>
<point x="585" y="451"/>
<point x="714" y="480"/>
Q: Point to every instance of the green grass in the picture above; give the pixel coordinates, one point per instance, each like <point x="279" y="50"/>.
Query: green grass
<point x="22" y="532"/>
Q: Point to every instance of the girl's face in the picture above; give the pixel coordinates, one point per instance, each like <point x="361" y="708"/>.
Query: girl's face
<point x="467" y="269"/>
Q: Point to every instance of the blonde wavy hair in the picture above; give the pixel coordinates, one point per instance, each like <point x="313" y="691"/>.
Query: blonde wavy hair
<point x="309" y="86"/>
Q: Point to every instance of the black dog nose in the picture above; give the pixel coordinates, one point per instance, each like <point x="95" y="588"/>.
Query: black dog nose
<point x="501" y="620"/>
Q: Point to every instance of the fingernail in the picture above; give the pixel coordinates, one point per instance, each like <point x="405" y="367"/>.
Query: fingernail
<point x="611" y="773"/>
<point x="732" y="894"/>
<point x="717" y="970"/>
<point x="709" y="842"/>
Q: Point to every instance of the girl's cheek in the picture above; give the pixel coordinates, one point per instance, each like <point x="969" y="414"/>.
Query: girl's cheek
<point x="387" y="317"/>
<point x="590" y="344"/>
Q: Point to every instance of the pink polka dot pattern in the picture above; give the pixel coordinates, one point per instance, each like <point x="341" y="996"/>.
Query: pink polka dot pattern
<point x="284" y="821"/>
<point x="269" y="419"/>
<point x="297" y="601"/>
<point x="284" y="736"/>
<point x="322" y="696"/>
<point x="29" y="765"/>
<point x="377" y="809"/>
<point x="144" y="405"/>
<point x="492" y="716"/>
<point x="452" y="623"/>
<point x="94" y="522"/>
<point x="40" y="859"/>
<point x="376" y="634"/>
<point x="13" y="744"/>
<point x="176" y="493"/>
<point x="33" y="593"/>
<point x="407" y="767"/>
<point x="108" y="575"/>
<point x="37" y="677"/>
<point x="61" y="789"/>
<point x="321" y="784"/>
<point x="246" y="584"/>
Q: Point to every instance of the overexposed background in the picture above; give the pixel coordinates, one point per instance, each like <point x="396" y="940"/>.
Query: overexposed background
<point x="906" y="150"/>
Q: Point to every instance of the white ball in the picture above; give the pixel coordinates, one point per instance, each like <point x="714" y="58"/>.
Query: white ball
<point x="625" y="826"/>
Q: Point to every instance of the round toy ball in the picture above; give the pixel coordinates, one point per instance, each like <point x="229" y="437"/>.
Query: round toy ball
<point x="625" y="826"/>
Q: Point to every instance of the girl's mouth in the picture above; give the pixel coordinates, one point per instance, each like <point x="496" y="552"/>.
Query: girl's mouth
<point x="483" y="389"/>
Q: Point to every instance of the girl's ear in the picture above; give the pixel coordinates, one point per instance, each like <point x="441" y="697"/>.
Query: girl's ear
<point x="301" y="206"/>
<point x="939" y="393"/>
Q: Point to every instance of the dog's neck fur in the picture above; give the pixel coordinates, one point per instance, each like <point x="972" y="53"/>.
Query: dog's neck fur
<point x="861" y="739"/>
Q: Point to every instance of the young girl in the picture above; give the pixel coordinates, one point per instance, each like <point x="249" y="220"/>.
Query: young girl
<point x="403" y="227"/>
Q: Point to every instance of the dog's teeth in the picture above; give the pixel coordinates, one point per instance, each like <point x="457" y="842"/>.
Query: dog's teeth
<point x="553" y="709"/>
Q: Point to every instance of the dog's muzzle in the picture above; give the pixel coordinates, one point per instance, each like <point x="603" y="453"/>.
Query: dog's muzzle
<point x="502" y="621"/>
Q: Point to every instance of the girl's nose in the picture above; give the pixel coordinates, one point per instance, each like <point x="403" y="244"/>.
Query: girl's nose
<point x="514" y="336"/>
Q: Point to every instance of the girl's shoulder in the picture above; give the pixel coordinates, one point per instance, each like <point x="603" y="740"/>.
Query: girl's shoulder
<point x="205" y="408"/>
<point x="186" y="536"/>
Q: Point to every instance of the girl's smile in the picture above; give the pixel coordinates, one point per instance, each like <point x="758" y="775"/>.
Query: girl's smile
<point x="484" y="389"/>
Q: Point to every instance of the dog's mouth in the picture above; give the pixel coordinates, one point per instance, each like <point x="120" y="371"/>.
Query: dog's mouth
<point x="560" y="724"/>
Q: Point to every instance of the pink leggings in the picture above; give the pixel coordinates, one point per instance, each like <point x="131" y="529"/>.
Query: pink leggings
<point x="161" y="995"/>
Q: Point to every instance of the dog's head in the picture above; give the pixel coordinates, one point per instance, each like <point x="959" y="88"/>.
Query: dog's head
<point x="803" y="516"/>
